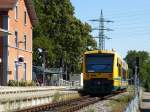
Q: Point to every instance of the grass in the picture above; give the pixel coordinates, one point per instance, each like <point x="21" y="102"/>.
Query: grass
<point x="58" y="97"/>
<point x="120" y="103"/>
<point x="70" y="96"/>
<point x="91" y="110"/>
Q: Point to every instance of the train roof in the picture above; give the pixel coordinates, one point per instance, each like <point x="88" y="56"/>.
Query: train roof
<point x="104" y="51"/>
<point x="100" y="51"/>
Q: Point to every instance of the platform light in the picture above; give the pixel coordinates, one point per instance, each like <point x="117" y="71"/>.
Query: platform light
<point x="4" y="32"/>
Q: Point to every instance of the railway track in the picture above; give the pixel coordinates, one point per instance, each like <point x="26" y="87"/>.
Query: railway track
<point x="66" y="106"/>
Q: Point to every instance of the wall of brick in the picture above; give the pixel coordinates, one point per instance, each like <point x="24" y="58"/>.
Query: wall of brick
<point x="13" y="52"/>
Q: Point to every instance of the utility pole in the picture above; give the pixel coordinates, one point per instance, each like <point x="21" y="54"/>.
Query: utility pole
<point x="137" y="83"/>
<point x="101" y="29"/>
<point x="42" y="53"/>
<point x="43" y="65"/>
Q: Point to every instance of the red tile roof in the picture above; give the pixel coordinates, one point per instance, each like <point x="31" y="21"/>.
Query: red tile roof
<point x="6" y="5"/>
<point x="31" y="11"/>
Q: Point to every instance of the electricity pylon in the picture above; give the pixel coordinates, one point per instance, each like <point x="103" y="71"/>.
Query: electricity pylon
<point x="101" y="30"/>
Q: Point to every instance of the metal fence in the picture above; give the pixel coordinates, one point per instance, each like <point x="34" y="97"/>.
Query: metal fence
<point x="70" y="84"/>
<point x="134" y="105"/>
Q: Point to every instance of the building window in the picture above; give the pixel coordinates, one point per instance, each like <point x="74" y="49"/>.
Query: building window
<point x="16" y="39"/>
<point x="25" y="71"/>
<point x="16" y="12"/>
<point x="8" y="73"/>
<point x="25" y="41"/>
<point x="25" y="17"/>
<point x="16" y="71"/>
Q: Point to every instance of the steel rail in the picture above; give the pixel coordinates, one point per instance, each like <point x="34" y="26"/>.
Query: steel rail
<point x="67" y="106"/>
<point x="49" y="105"/>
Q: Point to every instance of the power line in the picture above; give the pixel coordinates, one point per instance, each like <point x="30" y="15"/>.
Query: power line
<point x="101" y="30"/>
<point x="137" y="13"/>
<point x="128" y="13"/>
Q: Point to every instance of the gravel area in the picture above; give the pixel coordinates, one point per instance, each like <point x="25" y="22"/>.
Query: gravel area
<point x="102" y="106"/>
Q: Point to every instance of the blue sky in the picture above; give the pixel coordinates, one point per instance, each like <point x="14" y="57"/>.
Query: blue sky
<point x="131" y="22"/>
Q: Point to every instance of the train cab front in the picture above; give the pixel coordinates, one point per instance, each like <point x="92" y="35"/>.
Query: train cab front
<point x="98" y="73"/>
<point x="98" y="86"/>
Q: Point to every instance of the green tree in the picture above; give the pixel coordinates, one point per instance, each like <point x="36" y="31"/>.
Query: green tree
<point x="144" y="66"/>
<point x="66" y="36"/>
<point x="46" y="44"/>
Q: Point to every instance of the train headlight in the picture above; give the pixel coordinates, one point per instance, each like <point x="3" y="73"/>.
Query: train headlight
<point x="88" y="75"/>
<point x="99" y="83"/>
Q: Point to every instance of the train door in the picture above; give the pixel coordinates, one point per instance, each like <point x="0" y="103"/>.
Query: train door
<point x="124" y="76"/>
<point x="119" y="68"/>
<point x="1" y="73"/>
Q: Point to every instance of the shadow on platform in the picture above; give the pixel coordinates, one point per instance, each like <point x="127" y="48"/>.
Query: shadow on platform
<point x="145" y="100"/>
<point x="144" y="110"/>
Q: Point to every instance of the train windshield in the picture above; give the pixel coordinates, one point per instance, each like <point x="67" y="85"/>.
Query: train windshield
<point x="99" y="63"/>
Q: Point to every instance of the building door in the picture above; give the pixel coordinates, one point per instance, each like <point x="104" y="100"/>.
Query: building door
<point x="16" y="71"/>
<point x="1" y="73"/>
<point x="25" y="72"/>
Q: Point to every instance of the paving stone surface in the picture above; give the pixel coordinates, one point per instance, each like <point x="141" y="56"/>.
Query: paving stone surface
<point x="145" y="102"/>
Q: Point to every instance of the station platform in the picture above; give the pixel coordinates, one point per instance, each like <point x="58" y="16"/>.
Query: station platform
<point x="12" y="98"/>
<point x="8" y="89"/>
<point x="145" y="102"/>
<point x="17" y="93"/>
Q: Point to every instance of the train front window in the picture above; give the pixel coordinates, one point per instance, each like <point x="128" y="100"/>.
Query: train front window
<point x="99" y="63"/>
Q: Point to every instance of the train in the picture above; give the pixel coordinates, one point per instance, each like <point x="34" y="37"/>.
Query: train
<point x="104" y="72"/>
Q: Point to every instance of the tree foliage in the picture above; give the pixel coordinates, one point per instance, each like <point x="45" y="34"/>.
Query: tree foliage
<point x="144" y="66"/>
<point x="61" y="33"/>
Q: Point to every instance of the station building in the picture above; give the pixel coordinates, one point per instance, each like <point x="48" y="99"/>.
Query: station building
<point x="17" y="17"/>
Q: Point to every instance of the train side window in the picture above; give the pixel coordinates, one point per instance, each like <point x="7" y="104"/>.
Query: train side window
<point x="123" y="74"/>
<point x="117" y="62"/>
<point x="119" y="69"/>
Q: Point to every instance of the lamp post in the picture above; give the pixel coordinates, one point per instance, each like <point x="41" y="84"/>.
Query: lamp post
<point x="43" y="52"/>
<point x="4" y="32"/>
<point x="43" y="68"/>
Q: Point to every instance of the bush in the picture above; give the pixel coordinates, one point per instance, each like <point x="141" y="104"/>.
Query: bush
<point x="21" y="83"/>
<point x="12" y="83"/>
<point x="31" y="83"/>
<point x="147" y="86"/>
